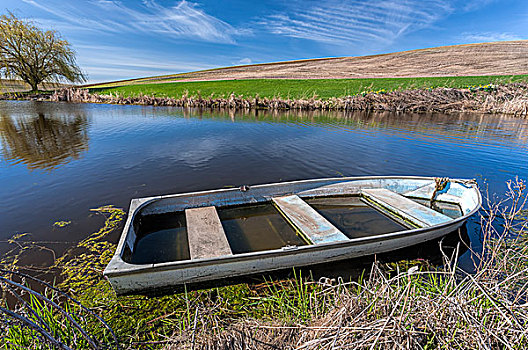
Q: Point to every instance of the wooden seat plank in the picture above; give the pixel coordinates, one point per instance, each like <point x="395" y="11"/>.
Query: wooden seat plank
<point x="408" y="209"/>
<point x="205" y="234"/>
<point x="308" y="221"/>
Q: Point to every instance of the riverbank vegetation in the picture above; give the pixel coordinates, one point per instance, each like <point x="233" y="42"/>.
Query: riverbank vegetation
<point x="484" y="94"/>
<point x="296" y="89"/>
<point x="410" y="304"/>
<point x="506" y="99"/>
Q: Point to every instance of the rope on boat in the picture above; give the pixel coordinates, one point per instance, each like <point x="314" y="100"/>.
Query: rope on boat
<point x="440" y="185"/>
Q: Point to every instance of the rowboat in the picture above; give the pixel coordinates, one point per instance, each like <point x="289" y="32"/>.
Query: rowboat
<point x="174" y="240"/>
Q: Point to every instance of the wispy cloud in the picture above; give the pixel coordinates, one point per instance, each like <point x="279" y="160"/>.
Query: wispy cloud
<point x="119" y="21"/>
<point x="342" y="22"/>
<point x="100" y="61"/>
<point x="152" y="37"/>
<point x="82" y="18"/>
<point x="489" y="37"/>
<point x="182" y="20"/>
<point x="473" y="5"/>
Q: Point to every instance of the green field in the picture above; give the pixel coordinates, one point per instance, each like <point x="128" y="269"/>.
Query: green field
<point x="300" y="88"/>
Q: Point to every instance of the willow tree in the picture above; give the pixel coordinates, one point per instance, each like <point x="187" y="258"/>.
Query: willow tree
<point x="34" y="55"/>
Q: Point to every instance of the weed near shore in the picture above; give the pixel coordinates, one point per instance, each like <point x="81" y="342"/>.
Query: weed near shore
<point x="412" y="305"/>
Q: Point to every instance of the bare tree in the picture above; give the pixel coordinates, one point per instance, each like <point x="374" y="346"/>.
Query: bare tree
<point x="34" y="55"/>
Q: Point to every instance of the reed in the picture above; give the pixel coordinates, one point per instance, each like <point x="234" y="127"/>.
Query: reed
<point x="410" y="305"/>
<point x="506" y="99"/>
<point x="420" y="308"/>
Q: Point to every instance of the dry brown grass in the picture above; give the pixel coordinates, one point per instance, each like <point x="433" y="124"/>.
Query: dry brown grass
<point x="10" y="86"/>
<point x="396" y="306"/>
<point x="415" y="308"/>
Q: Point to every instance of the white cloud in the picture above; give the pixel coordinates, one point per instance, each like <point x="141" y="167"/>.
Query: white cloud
<point x="101" y="61"/>
<point x="473" y="5"/>
<point x="489" y="37"/>
<point x="243" y="61"/>
<point x="183" y="20"/>
<point x="343" y="22"/>
<point x="115" y="56"/>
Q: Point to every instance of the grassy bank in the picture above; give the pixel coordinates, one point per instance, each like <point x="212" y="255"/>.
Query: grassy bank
<point x="300" y="88"/>
<point x="407" y="305"/>
<point x="490" y="99"/>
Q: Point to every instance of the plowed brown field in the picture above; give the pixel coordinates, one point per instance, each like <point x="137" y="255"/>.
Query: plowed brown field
<point x="498" y="58"/>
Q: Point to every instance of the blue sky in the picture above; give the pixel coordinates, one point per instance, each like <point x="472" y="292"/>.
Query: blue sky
<point x="134" y="38"/>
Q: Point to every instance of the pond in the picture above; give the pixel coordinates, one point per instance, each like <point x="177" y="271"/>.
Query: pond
<point x="60" y="160"/>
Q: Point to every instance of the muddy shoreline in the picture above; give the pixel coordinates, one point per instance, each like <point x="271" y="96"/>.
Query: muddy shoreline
<point x="504" y="99"/>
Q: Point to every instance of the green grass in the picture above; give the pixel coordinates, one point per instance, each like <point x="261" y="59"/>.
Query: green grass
<point x="142" y="320"/>
<point x="409" y="303"/>
<point x="300" y="88"/>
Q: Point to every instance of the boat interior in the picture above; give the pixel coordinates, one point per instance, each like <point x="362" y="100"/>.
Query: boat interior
<point x="182" y="229"/>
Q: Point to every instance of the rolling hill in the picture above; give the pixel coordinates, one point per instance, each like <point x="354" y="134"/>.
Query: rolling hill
<point x="497" y="58"/>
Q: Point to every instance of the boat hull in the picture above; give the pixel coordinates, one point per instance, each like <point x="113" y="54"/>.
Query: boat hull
<point x="151" y="278"/>
<point x="164" y="277"/>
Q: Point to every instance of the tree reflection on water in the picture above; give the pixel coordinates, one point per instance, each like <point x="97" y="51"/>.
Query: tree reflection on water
<point x="43" y="141"/>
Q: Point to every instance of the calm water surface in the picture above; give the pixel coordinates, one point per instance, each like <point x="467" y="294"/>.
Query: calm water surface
<point x="57" y="161"/>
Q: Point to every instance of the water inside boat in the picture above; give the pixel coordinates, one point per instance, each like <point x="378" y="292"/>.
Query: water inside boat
<point x="354" y="217"/>
<point x="253" y="228"/>
<point x="160" y="238"/>
<point x="448" y="209"/>
<point x="260" y="227"/>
